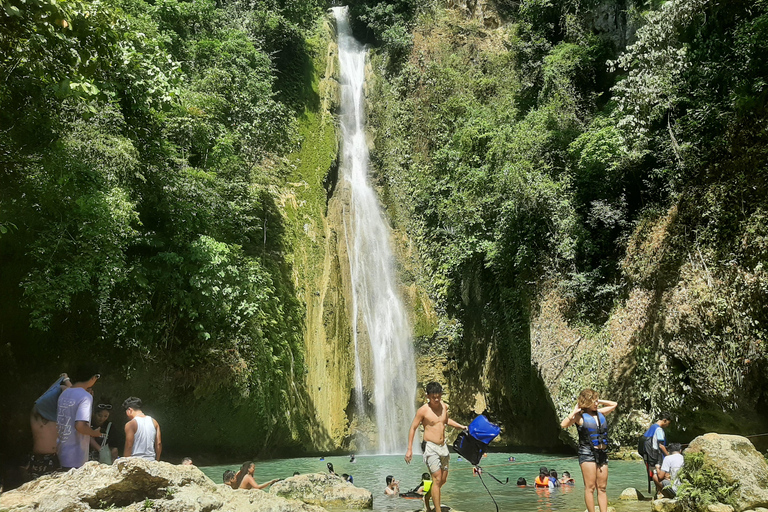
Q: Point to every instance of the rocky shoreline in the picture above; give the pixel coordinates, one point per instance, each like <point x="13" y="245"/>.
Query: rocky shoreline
<point x="133" y="484"/>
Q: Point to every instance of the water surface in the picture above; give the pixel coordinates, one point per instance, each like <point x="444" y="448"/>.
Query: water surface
<point x="463" y="491"/>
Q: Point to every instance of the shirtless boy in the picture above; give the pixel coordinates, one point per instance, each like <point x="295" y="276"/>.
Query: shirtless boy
<point x="434" y="417"/>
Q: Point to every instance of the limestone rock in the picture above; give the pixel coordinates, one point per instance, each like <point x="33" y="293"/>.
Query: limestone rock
<point x="666" y="505"/>
<point x="631" y="494"/>
<point x="719" y="507"/>
<point x="740" y="462"/>
<point x="131" y="481"/>
<point x="597" y="509"/>
<point x="323" y="489"/>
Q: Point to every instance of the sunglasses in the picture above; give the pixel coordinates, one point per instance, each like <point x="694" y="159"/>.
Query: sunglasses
<point x="105" y="407"/>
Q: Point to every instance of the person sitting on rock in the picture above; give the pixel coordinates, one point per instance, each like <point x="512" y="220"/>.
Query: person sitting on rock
<point x="393" y="486"/>
<point x="567" y="480"/>
<point x="347" y="478"/>
<point x="244" y="479"/>
<point x="669" y="469"/>
<point x="229" y="478"/>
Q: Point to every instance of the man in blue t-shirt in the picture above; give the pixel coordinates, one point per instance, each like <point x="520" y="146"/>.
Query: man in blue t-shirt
<point x="74" y="418"/>
<point x="656" y="447"/>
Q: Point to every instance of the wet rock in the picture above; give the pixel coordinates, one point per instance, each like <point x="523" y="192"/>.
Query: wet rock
<point x="325" y="490"/>
<point x="739" y="461"/>
<point x="631" y="494"/>
<point x="666" y="505"/>
<point x="131" y="483"/>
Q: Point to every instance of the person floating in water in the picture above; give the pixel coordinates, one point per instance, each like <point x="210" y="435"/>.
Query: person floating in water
<point x="589" y="417"/>
<point x="433" y="416"/>
<point x="393" y="486"/>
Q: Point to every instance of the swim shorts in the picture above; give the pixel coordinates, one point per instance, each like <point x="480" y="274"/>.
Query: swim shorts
<point x="39" y="465"/>
<point x="586" y="454"/>
<point x="436" y="456"/>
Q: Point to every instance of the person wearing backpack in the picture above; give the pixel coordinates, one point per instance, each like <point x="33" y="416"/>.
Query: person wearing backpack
<point x="655" y="447"/>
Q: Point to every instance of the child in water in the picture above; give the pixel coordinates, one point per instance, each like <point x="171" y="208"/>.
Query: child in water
<point x="426" y="484"/>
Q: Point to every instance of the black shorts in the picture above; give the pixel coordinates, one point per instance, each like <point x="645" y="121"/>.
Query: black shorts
<point x="599" y="457"/>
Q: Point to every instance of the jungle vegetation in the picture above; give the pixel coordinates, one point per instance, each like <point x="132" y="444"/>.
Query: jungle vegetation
<point x="143" y="145"/>
<point x="545" y="149"/>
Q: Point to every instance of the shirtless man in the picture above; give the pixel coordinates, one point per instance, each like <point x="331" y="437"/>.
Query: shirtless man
<point x="434" y="417"/>
<point x="45" y="433"/>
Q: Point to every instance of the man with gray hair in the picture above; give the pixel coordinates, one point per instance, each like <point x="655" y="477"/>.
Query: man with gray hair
<point x="142" y="432"/>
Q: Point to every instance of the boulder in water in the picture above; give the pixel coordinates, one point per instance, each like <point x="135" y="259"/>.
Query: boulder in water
<point x="631" y="494"/>
<point x="325" y="490"/>
<point x="132" y="482"/>
<point x="738" y="461"/>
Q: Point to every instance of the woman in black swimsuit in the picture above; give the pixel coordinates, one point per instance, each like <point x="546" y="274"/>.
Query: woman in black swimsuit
<point x="589" y="417"/>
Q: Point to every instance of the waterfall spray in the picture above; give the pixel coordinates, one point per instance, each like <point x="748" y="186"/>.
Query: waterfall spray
<point x="375" y="298"/>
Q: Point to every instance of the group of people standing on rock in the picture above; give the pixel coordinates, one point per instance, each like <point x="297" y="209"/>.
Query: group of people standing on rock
<point x="67" y="429"/>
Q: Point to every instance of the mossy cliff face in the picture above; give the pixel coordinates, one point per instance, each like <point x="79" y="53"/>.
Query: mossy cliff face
<point x="685" y="338"/>
<point x="313" y="209"/>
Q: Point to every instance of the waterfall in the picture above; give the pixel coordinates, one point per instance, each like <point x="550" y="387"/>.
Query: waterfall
<point x="375" y="298"/>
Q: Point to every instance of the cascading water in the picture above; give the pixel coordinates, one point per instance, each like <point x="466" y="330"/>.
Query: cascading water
<point x="375" y="299"/>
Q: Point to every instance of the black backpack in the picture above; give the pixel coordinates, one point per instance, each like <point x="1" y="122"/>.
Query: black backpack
<point x="641" y="445"/>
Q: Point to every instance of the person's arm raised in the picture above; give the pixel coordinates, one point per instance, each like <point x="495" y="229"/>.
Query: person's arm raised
<point x="572" y="418"/>
<point x="607" y="406"/>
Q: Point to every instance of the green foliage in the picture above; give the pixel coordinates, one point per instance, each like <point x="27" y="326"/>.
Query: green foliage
<point x="542" y="153"/>
<point x="702" y="484"/>
<point x="141" y="159"/>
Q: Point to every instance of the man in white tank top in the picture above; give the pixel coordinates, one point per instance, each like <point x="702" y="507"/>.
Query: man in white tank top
<point x="142" y="433"/>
